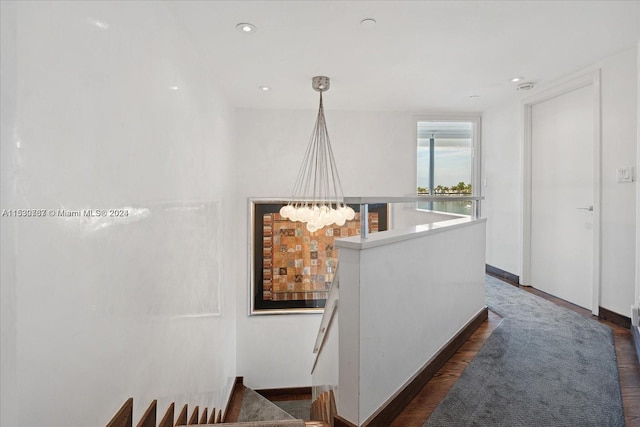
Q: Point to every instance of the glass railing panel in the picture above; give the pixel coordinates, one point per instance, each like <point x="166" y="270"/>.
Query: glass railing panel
<point x="324" y="372"/>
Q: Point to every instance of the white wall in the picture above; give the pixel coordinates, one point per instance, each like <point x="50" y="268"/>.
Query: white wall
<point x="97" y="310"/>
<point x="8" y="324"/>
<point x="619" y="106"/>
<point x="502" y="154"/>
<point x="375" y="153"/>
<point x="502" y="173"/>
<point x="636" y="302"/>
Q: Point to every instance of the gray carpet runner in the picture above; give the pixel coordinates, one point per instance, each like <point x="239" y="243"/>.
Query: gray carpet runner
<point x="543" y="366"/>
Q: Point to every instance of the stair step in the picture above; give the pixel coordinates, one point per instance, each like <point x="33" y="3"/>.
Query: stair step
<point x="255" y="407"/>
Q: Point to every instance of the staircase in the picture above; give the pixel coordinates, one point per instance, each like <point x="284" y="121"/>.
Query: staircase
<point x="254" y="407"/>
<point x="246" y="408"/>
<point x="124" y="416"/>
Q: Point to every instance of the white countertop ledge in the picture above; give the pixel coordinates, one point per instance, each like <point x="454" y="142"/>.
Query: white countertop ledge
<point x="393" y="236"/>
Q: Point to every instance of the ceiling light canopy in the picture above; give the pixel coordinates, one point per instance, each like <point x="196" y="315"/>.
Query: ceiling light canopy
<point x="317" y="193"/>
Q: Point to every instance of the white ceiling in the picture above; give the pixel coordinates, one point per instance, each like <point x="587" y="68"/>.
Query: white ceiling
<point x="421" y="55"/>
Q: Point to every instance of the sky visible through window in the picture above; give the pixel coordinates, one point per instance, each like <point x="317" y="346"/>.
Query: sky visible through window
<point x="453" y="153"/>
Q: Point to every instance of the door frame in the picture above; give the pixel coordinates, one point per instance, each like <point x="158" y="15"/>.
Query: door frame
<point x="591" y="78"/>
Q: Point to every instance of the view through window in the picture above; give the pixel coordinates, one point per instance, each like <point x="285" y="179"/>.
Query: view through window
<point x="445" y="163"/>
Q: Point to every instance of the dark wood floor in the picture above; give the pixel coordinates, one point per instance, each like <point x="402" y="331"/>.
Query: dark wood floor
<point x="419" y="409"/>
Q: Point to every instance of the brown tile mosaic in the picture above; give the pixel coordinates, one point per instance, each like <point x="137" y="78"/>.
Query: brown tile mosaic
<point x="302" y="263"/>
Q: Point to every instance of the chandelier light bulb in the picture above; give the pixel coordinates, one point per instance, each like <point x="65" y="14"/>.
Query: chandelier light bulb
<point x="340" y="221"/>
<point x="329" y="217"/>
<point x="348" y="212"/>
<point x="286" y="211"/>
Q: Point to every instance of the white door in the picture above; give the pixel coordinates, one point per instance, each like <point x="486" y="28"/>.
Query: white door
<point x="562" y="196"/>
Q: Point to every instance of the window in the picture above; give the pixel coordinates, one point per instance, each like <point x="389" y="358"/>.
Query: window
<point x="446" y="162"/>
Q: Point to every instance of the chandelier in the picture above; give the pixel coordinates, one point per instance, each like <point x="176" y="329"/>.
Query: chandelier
<point x="317" y="193"/>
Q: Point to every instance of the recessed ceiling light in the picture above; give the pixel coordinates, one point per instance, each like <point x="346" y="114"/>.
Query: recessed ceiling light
<point x="368" y="23"/>
<point x="264" y="88"/>
<point x="517" y="79"/>
<point x="174" y="87"/>
<point x="99" y="24"/>
<point x="245" y="27"/>
<point x="474" y="96"/>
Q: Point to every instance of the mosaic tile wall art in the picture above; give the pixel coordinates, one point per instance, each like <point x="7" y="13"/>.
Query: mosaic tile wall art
<point x="292" y="268"/>
<point x="298" y="264"/>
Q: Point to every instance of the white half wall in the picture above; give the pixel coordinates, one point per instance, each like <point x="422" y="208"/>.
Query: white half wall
<point x="102" y="111"/>
<point x="403" y="297"/>
<point x="502" y="154"/>
<point x="375" y="153"/>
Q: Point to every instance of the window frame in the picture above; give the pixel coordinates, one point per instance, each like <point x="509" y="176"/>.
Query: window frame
<point x="476" y="145"/>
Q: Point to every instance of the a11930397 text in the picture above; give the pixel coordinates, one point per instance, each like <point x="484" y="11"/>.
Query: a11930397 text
<point x="64" y="213"/>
